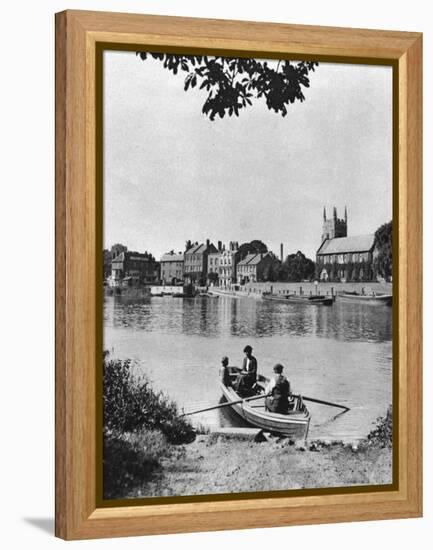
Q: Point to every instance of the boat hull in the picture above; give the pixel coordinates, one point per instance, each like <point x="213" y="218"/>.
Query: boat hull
<point x="385" y="299"/>
<point x="294" y="425"/>
<point x="300" y="300"/>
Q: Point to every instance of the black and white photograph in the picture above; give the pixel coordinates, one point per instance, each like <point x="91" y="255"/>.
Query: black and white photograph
<point x="247" y="275"/>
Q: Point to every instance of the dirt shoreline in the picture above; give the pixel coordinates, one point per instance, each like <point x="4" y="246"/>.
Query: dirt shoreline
<point x="217" y="464"/>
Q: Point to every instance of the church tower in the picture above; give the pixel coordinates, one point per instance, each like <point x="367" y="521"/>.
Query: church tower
<point x="334" y="228"/>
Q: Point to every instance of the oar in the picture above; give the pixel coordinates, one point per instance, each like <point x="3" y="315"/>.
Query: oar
<point x="226" y="404"/>
<point x="325" y="402"/>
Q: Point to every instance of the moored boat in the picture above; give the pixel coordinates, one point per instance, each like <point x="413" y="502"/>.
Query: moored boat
<point x="298" y="299"/>
<point x="373" y="298"/>
<point x="220" y="292"/>
<point x="294" y="424"/>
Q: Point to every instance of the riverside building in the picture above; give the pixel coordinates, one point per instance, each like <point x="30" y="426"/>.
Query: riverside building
<point x="343" y="258"/>
<point x="172" y="268"/>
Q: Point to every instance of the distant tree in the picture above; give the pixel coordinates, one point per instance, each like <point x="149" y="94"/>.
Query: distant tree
<point x="272" y="270"/>
<point x="382" y="263"/>
<point x="253" y="247"/>
<point x="297" y="267"/>
<point x="233" y="83"/>
<point x="106" y="263"/>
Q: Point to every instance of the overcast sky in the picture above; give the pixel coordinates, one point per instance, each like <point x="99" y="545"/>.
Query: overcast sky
<point x="171" y="174"/>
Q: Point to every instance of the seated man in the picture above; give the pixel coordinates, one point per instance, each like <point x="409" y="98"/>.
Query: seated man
<point x="248" y="376"/>
<point x="278" y="390"/>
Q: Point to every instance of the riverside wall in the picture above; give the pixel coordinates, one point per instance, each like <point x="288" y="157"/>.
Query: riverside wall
<point x="255" y="290"/>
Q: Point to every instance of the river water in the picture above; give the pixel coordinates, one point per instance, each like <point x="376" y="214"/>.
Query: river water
<point x="341" y="353"/>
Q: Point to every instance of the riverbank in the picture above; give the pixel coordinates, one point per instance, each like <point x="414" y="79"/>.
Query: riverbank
<point x="255" y="290"/>
<point x="130" y="292"/>
<point x="217" y="464"/>
<point x="221" y="465"/>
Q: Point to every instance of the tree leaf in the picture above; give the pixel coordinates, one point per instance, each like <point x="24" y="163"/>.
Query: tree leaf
<point x="229" y="91"/>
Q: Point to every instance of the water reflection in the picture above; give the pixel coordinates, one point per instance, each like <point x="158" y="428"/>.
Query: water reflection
<point x="248" y="317"/>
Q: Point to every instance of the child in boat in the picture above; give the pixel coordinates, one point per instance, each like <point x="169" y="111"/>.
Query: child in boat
<point x="224" y="371"/>
<point x="279" y="393"/>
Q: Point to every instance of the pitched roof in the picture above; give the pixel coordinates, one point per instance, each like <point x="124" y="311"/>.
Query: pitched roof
<point x="341" y="245"/>
<point x="257" y="259"/>
<point x="247" y="259"/>
<point x="253" y="259"/>
<point x="172" y="257"/>
<point x="194" y="248"/>
<point x="200" y="248"/>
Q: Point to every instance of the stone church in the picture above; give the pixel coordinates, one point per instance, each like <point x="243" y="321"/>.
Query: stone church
<point x="343" y="258"/>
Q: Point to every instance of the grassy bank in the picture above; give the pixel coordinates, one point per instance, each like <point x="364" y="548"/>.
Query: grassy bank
<point x="219" y="465"/>
<point x="142" y="428"/>
<point x="216" y="464"/>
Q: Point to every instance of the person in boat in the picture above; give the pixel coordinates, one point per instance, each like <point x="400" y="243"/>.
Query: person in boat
<point x="224" y="371"/>
<point x="279" y="396"/>
<point x="248" y="376"/>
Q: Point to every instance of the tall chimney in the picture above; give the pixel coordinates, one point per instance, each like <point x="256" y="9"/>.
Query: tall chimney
<point x="281" y="252"/>
<point x="207" y="242"/>
<point x="220" y="245"/>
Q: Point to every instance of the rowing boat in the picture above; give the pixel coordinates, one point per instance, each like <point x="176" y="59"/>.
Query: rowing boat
<point x="207" y="295"/>
<point x="385" y="299"/>
<point x="294" y="424"/>
<point x="298" y="299"/>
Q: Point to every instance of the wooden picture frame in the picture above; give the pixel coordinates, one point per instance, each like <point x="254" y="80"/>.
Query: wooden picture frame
<point x="79" y="37"/>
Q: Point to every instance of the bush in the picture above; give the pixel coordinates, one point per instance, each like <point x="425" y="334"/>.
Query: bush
<point x="130" y="460"/>
<point x="130" y="404"/>
<point x="381" y="435"/>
